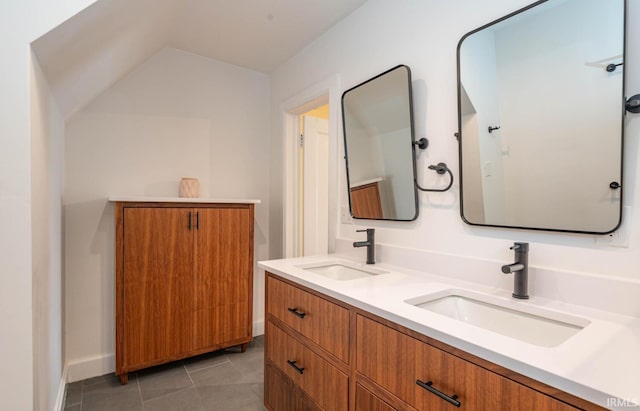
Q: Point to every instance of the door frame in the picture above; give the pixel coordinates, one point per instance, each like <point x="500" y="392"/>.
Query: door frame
<point x="324" y="92"/>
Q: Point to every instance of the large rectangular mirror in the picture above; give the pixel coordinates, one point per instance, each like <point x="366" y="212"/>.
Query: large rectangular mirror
<point x="378" y="138"/>
<point x="541" y="107"/>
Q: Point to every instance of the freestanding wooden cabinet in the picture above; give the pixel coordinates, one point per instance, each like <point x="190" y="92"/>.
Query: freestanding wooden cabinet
<point x="184" y="280"/>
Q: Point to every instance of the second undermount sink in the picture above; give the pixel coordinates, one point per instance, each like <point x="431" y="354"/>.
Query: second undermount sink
<point x="526" y="323"/>
<point x="341" y="270"/>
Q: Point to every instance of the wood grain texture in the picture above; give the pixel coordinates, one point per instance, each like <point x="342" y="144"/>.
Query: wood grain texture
<point x="325" y="323"/>
<point x="168" y="306"/>
<point x="365" y="201"/>
<point x="281" y="394"/>
<point x="223" y="275"/>
<point x="537" y="386"/>
<point x="158" y="275"/>
<point x="321" y="381"/>
<point x="278" y="391"/>
<point x="475" y="387"/>
<point x="366" y="401"/>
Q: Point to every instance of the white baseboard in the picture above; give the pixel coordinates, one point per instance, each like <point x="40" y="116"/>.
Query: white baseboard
<point x="89" y="367"/>
<point x="258" y="328"/>
<point x="62" y="390"/>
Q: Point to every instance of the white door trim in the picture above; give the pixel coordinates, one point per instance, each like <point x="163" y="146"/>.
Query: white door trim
<point x="326" y="91"/>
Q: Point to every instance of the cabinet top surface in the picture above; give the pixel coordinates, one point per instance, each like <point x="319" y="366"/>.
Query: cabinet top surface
<point x="599" y="363"/>
<point x="141" y="199"/>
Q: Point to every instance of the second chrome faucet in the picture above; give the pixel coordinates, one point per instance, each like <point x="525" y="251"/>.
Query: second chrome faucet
<point x="370" y="244"/>
<point x="520" y="270"/>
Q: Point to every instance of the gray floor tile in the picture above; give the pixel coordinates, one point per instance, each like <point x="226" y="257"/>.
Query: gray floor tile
<point x="258" y="389"/>
<point x="111" y="395"/>
<point x="205" y="361"/>
<point x="162" y="380"/>
<point x="74" y="394"/>
<point x="223" y="374"/>
<point x="237" y="397"/>
<point x="185" y="400"/>
<point x="250" y="364"/>
<point x="99" y="380"/>
<point x="225" y="380"/>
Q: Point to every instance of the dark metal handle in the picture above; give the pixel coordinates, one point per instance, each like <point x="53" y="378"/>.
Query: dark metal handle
<point x="429" y="387"/>
<point x="189" y="220"/>
<point x="614" y="185"/>
<point x="197" y="220"/>
<point x="300" y="370"/>
<point x="296" y="312"/>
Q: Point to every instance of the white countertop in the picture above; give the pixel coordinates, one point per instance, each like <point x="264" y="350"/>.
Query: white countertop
<point x="133" y="199"/>
<point x="601" y="363"/>
<point x="365" y="182"/>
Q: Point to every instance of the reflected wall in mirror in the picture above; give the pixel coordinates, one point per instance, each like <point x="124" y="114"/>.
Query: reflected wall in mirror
<point x="378" y="139"/>
<point x="541" y="118"/>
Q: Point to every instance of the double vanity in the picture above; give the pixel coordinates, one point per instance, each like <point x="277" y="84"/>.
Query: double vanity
<point x="345" y="335"/>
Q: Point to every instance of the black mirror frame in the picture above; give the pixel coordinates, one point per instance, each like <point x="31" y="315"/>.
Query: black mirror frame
<point x="412" y="143"/>
<point x="459" y="135"/>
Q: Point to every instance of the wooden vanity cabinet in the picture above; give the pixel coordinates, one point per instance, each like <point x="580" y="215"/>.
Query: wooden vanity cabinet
<point x="388" y="367"/>
<point x="184" y="278"/>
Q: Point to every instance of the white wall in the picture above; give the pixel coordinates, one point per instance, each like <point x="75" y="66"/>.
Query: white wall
<point x="424" y="35"/>
<point x="47" y="137"/>
<point x="176" y="115"/>
<point x="21" y="22"/>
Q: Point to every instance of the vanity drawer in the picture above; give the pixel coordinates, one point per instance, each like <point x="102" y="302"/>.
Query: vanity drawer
<point x="320" y="320"/>
<point x="321" y="381"/>
<point x="431" y="379"/>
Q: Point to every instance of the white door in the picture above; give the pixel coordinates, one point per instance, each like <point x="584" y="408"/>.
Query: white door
<point x="315" y="181"/>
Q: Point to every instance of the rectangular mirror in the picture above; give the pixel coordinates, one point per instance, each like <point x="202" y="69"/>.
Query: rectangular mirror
<point x="540" y="118"/>
<point x="378" y="139"/>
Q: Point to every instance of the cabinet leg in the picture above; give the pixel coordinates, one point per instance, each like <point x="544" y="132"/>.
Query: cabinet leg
<point x="124" y="378"/>
<point x="243" y="347"/>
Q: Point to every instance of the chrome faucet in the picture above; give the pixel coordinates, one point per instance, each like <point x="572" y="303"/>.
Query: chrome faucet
<point x="370" y="244"/>
<point x="520" y="270"/>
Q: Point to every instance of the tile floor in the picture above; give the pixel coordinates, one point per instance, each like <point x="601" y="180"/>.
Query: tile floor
<point x="226" y="380"/>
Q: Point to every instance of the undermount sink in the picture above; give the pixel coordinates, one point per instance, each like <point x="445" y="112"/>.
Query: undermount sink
<point x="510" y="318"/>
<point x="341" y="270"/>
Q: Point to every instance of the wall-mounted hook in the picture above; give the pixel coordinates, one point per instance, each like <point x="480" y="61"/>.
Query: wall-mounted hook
<point x="492" y="129"/>
<point x="612" y="67"/>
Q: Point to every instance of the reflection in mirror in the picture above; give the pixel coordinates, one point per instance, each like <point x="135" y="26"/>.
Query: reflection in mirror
<point x="540" y="118"/>
<point x="378" y="139"/>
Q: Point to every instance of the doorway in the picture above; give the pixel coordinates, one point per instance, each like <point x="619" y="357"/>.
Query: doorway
<point x="313" y="171"/>
<point x="318" y="103"/>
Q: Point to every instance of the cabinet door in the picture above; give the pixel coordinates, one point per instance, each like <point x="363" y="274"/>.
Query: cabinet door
<point x="222" y="275"/>
<point x="158" y="264"/>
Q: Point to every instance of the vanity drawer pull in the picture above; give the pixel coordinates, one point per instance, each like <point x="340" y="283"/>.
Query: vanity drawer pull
<point x="429" y="387"/>
<point x="300" y="370"/>
<point x="296" y="312"/>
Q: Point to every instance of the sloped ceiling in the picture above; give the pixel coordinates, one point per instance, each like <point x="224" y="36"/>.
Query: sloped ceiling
<point x="91" y="51"/>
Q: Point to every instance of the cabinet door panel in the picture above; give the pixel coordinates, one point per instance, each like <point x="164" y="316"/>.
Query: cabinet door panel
<point x="222" y="275"/>
<point x="158" y="263"/>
